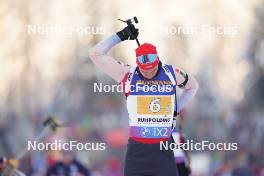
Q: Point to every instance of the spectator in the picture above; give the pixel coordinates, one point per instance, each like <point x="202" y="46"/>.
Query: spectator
<point x="68" y="166"/>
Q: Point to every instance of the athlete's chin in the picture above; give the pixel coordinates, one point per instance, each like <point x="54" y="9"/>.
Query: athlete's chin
<point x="148" y="76"/>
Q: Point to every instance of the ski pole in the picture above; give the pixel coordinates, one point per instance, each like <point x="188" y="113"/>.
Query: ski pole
<point x="129" y="22"/>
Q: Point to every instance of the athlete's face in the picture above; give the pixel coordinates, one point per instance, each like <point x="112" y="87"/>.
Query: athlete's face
<point x="149" y="74"/>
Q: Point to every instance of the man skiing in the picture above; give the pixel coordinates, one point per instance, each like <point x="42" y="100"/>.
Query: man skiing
<point x="150" y="90"/>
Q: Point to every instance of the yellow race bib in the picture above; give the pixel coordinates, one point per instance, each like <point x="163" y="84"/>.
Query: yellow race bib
<point x="151" y="105"/>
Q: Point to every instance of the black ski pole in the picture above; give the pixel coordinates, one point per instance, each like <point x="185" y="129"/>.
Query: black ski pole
<point x="129" y="22"/>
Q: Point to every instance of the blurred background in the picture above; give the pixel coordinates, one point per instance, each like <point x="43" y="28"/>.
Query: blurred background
<point x="50" y="74"/>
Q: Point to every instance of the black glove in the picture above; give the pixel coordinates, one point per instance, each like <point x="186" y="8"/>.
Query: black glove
<point x="128" y="33"/>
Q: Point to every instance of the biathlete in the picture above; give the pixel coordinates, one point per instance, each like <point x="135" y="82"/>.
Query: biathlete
<point x="150" y="90"/>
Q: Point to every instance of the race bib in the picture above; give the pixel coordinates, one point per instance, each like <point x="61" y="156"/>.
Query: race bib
<point x="151" y="105"/>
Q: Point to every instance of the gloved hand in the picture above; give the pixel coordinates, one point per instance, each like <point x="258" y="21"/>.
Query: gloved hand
<point x="128" y="33"/>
